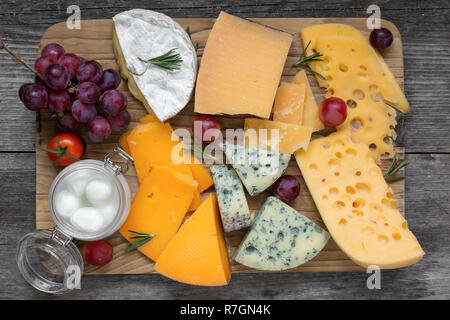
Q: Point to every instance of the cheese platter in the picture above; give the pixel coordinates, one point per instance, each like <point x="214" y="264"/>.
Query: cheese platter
<point x="327" y="208"/>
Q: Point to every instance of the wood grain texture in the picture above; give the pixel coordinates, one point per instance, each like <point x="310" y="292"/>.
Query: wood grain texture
<point x="93" y="41"/>
<point x="425" y="29"/>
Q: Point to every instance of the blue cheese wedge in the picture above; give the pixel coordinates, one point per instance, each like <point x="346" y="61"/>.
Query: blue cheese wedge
<point x="280" y="238"/>
<point x="231" y="197"/>
<point x="258" y="169"/>
<point x="144" y="34"/>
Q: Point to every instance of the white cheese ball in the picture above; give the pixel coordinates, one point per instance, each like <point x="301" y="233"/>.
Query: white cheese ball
<point x="98" y="191"/>
<point x="87" y="219"/>
<point x="66" y="203"/>
<point x="108" y="212"/>
<point x="77" y="183"/>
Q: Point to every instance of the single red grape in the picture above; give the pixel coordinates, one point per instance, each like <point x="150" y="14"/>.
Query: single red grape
<point x="98" y="253"/>
<point x="381" y="38"/>
<point x="34" y="96"/>
<point x="110" y="80"/>
<point x="202" y="124"/>
<point x="52" y="52"/>
<point x="89" y="70"/>
<point x="83" y="112"/>
<point x="67" y="123"/>
<point x="113" y="102"/>
<point x="98" y="129"/>
<point x="42" y="64"/>
<point x="286" y="188"/>
<point x="88" y="92"/>
<point x="71" y="62"/>
<point x="57" y="76"/>
<point x="119" y="122"/>
<point x="22" y="89"/>
<point x="333" y="112"/>
<point x="58" y="101"/>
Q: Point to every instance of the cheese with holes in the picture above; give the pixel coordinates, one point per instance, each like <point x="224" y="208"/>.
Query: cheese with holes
<point x="310" y="109"/>
<point x="232" y="202"/>
<point x="197" y="254"/>
<point x="257" y="168"/>
<point x="240" y="68"/>
<point x="289" y="103"/>
<point x="356" y="204"/>
<point x="280" y="136"/>
<point x="159" y="208"/>
<point x="280" y="238"/>
<point x="135" y="35"/>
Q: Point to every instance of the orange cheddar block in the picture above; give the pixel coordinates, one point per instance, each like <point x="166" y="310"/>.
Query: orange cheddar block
<point x="150" y="144"/>
<point x="310" y="109"/>
<point x="123" y="142"/>
<point x="289" y="137"/>
<point x="240" y="68"/>
<point x="196" y="201"/>
<point x="197" y="254"/>
<point x="201" y="175"/>
<point x="289" y="103"/>
<point x="159" y="208"/>
<point x="149" y="118"/>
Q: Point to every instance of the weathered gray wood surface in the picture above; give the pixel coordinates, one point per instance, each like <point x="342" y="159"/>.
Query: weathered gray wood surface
<point x="425" y="29"/>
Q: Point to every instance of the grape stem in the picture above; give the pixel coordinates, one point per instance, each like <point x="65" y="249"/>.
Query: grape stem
<point x="4" y="46"/>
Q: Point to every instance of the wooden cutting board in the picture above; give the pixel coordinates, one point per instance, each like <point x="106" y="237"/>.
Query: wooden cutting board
<point x="94" y="41"/>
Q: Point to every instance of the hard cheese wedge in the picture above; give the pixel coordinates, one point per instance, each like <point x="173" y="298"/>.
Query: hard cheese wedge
<point x="280" y="238"/>
<point x="290" y="137"/>
<point x="240" y="68"/>
<point x="197" y="254"/>
<point x="356" y="204"/>
<point x="311" y="109"/>
<point x="232" y="202"/>
<point x="289" y="103"/>
<point x="159" y="208"/>
<point x="258" y="169"/>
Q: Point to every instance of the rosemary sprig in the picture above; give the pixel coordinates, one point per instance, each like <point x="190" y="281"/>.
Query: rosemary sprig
<point x="396" y="165"/>
<point x="170" y="61"/>
<point x="139" y="239"/>
<point x="304" y="60"/>
<point x="188" y="31"/>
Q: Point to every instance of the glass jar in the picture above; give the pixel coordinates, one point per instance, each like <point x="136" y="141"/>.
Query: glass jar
<point x="48" y="259"/>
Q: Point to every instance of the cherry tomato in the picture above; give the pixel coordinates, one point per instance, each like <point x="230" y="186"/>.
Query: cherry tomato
<point x="65" y="148"/>
<point x="98" y="253"/>
<point x="333" y="112"/>
<point x="202" y="124"/>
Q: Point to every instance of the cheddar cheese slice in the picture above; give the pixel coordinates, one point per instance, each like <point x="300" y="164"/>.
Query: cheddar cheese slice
<point x="289" y="102"/>
<point x="310" y="109"/>
<point x="291" y="137"/>
<point x="197" y="254"/>
<point x="159" y="208"/>
<point x="356" y="204"/>
<point x="240" y="68"/>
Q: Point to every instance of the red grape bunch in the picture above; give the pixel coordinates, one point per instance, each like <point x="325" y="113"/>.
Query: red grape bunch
<point x="78" y="91"/>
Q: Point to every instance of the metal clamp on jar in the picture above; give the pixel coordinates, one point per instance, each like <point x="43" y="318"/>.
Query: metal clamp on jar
<point x="88" y="200"/>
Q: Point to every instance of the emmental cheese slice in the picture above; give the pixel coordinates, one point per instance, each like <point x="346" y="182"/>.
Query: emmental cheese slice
<point x="290" y="137"/>
<point x="241" y="68"/>
<point x="356" y="204"/>
<point x="159" y="208"/>
<point x="310" y="109"/>
<point x="289" y="103"/>
<point x="197" y="254"/>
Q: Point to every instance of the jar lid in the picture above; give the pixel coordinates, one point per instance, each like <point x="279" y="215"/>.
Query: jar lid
<point x="50" y="261"/>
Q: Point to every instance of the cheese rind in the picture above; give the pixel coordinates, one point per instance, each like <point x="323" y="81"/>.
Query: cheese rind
<point x="310" y="109"/>
<point x="240" y="68"/>
<point x="163" y="92"/>
<point x="197" y="254"/>
<point x="356" y="204"/>
<point x="258" y="169"/>
<point x="289" y="103"/>
<point x="289" y="137"/>
<point x="280" y="238"/>
<point x="159" y="207"/>
<point x="232" y="202"/>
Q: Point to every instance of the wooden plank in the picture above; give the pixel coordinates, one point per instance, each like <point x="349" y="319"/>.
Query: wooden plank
<point x="93" y="41"/>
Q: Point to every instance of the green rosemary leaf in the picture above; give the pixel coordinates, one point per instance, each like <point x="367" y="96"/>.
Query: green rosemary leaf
<point x="170" y="61"/>
<point x="188" y="31"/>
<point x="396" y="165"/>
<point x="304" y="60"/>
<point x="140" y="239"/>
